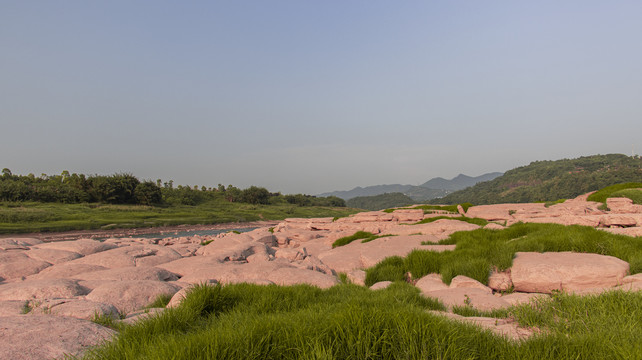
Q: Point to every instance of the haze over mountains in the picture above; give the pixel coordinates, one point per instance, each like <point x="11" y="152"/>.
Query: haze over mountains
<point x="433" y="188"/>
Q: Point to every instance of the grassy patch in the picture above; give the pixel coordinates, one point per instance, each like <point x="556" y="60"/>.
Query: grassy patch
<point x="609" y="191"/>
<point x="478" y="252"/>
<point x="633" y="194"/>
<point x="45" y="217"/>
<point x="245" y="321"/>
<point x="161" y="301"/>
<point x="359" y="235"/>
<point x="476" y="221"/>
<point x="551" y="203"/>
<point x="429" y="209"/>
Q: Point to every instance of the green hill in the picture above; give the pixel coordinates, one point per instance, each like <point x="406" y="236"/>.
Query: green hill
<point x="378" y="202"/>
<point x="551" y="180"/>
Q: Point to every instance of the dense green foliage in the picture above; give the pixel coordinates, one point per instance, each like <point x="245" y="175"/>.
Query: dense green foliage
<point x="23" y="217"/>
<point x="551" y="180"/>
<point x="378" y="202"/>
<point x="127" y="189"/>
<point x="480" y="251"/>
<point x="617" y="190"/>
<point x="243" y="321"/>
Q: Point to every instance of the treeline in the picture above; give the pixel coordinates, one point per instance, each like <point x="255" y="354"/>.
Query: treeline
<point x="551" y="180"/>
<point x="127" y="189"/>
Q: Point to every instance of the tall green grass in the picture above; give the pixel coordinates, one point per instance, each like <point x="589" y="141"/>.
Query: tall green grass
<point x="478" y="252"/>
<point x="244" y="321"/>
<point x="609" y="191"/>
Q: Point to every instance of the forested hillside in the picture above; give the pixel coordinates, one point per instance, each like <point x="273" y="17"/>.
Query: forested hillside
<point x="378" y="202"/>
<point x="551" y="180"/>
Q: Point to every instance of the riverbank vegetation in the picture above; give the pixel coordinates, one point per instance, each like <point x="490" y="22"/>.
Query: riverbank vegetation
<point x="78" y="202"/>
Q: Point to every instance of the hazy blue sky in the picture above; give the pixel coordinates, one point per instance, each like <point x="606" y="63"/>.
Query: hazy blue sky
<point x="314" y="96"/>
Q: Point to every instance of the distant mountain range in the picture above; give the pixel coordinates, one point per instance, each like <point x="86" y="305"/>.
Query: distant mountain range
<point x="433" y="188"/>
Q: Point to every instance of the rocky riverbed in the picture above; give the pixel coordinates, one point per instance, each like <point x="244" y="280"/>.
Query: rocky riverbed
<point x="52" y="290"/>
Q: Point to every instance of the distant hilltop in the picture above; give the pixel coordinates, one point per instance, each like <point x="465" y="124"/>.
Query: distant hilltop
<point x="433" y="188"/>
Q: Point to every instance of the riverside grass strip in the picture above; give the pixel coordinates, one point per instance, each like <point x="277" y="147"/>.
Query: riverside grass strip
<point x="243" y="321"/>
<point x="49" y="217"/>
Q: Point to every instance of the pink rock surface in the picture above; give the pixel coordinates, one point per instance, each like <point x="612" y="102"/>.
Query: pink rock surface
<point x="76" y="308"/>
<point x="37" y="337"/>
<point x="461" y="281"/>
<point x="53" y="256"/>
<point x="11" y="307"/>
<point x="357" y="277"/>
<point x="518" y="298"/>
<point x="546" y="272"/>
<point x="41" y="289"/>
<point x="502" y="327"/>
<point x="81" y="246"/>
<point x="133" y="255"/>
<point x="477" y="298"/>
<point x="66" y="271"/>
<point x="292" y="276"/>
<point x="358" y="255"/>
<point x="17" y="265"/>
<point x="500" y="281"/>
<point x="622" y="206"/>
<point x="431" y="282"/>
<point x="617" y="220"/>
<point x="380" y="285"/>
<point x="137" y="273"/>
<point x="131" y="295"/>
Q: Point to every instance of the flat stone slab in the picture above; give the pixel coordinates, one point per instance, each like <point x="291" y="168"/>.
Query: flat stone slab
<point x="35" y="337"/>
<point x="568" y="271"/>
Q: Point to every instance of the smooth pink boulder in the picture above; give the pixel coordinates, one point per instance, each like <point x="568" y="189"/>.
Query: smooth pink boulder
<point x="617" y="221"/>
<point x="380" y="285"/>
<point x="36" y="337"/>
<point x="17" y="264"/>
<point x="137" y="273"/>
<point x="131" y="295"/>
<point x="53" y="256"/>
<point x="547" y="272"/>
<point x="42" y="289"/>
<point x="66" y="271"/>
<point x="76" y="308"/>
<point x="81" y="246"/>
<point x="133" y="255"/>
<point x="461" y="281"/>
<point x="500" y="281"/>
<point x="431" y="282"/>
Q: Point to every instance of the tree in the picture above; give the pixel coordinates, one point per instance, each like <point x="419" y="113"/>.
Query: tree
<point x="148" y="193"/>
<point x="255" y="195"/>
